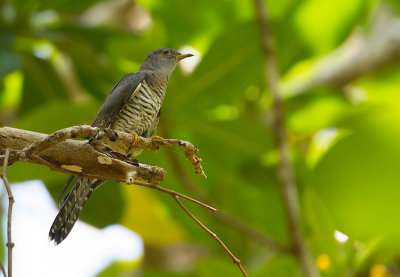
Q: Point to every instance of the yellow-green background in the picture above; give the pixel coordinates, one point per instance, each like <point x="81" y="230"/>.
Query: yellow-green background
<point x="57" y="64"/>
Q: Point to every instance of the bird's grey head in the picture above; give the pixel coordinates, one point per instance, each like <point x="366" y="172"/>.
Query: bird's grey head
<point x="163" y="60"/>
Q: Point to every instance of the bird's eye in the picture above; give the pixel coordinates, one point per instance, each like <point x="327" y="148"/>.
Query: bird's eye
<point x="166" y="52"/>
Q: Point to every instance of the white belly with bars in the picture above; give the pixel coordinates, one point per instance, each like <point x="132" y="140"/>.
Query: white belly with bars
<point x="140" y="111"/>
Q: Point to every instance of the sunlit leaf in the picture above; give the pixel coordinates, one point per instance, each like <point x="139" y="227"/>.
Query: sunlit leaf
<point x="357" y="178"/>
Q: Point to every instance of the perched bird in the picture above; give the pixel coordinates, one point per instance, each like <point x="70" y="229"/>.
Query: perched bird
<point x="133" y="105"/>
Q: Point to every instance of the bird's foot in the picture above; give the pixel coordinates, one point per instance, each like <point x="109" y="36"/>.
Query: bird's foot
<point x="135" y="139"/>
<point x="157" y="137"/>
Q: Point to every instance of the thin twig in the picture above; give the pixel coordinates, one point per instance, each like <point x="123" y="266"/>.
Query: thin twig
<point x="174" y="193"/>
<point x="230" y="220"/>
<point x="9" y="243"/>
<point x="176" y="196"/>
<point x="213" y="235"/>
<point x="3" y="269"/>
<point x="286" y="174"/>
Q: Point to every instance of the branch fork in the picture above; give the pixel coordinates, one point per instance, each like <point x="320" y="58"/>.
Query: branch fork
<point x="94" y="159"/>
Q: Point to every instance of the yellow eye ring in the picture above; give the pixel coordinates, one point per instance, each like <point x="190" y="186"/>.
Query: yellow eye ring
<point x="166" y="52"/>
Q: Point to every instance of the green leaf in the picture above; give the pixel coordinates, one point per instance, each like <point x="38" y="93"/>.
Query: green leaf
<point x="119" y="269"/>
<point x="217" y="266"/>
<point x="9" y="61"/>
<point x="279" y="266"/>
<point x="324" y="24"/>
<point x="41" y="83"/>
<point x="358" y="178"/>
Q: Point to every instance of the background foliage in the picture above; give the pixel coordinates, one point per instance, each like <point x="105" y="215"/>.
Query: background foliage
<point x="59" y="59"/>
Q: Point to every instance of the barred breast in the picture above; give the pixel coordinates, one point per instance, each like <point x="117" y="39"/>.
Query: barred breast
<point x="140" y="111"/>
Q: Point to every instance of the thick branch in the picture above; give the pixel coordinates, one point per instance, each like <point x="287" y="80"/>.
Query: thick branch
<point x="55" y="149"/>
<point x="285" y="170"/>
<point x="89" y="159"/>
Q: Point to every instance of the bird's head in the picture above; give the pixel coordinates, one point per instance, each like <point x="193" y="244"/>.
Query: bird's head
<point x="163" y="60"/>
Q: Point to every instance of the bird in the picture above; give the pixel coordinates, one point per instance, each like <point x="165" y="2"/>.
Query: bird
<point x="133" y="106"/>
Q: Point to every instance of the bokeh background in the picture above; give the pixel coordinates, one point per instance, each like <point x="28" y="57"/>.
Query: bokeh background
<point x="340" y="83"/>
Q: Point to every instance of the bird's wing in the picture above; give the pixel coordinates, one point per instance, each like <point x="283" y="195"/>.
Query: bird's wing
<point x="117" y="98"/>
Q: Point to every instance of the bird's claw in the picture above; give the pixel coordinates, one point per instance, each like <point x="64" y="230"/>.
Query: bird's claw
<point x="135" y="140"/>
<point x="157" y="137"/>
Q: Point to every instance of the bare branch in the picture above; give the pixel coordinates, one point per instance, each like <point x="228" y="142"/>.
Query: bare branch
<point x="3" y="269"/>
<point x="213" y="235"/>
<point x="220" y="215"/>
<point x="89" y="158"/>
<point x="9" y="243"/>
<point x="94" y="159"/>
<point x="286" y="174"/>
<point x="174" y="193"/>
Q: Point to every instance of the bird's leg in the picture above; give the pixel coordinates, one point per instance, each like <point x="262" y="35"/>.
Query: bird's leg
<point x="135" y="139"/>
<point x="157" y="137"/>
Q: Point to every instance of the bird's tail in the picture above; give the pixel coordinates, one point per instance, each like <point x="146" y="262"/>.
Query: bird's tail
<point x="71" y="208"/>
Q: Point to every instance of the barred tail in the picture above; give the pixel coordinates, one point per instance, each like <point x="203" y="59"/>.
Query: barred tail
<point x="71" y="208"/>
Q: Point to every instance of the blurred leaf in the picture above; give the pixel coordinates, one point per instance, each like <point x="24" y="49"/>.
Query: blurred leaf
<point x="105" y="206"/>
<point x="147" y="215"/>
<point x="196" y="19"/>
<point x="67" y="5"/>
<point x="216" y="266"/>
<point x="119" y="269"/>
<point x="12" y="93"/>
<point x="310" y="113"/>
<point x="280" y="266"/>
<point x="9" y="60"/>
<point x="41" y="83"/>
<point x="324" y="30"/>
<point x="364" y="178"/>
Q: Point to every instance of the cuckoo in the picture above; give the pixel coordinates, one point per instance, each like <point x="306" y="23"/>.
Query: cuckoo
<point x="133" y="105"/>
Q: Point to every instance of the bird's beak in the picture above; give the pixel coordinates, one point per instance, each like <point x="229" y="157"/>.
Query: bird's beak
<point x="183" y="56"/>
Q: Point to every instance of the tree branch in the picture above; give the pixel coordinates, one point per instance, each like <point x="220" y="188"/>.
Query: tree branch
<point x="213" y="235"/>
<point x="286" y="174"/>
<point x="90" y="158"/>
<point x="9" y="243"/>
<point x="3" y="269"/>
<point x="93" y="159"/>
<point x="220" y="215"/>
<point x="174" y="193"/>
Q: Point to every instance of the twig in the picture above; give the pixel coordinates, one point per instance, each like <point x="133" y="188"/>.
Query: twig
<point x="3" y="269"/>
<point x="213" y="235"/>
<point x="9" y="243"/>
<point x="286" y="174"/>
<point x="176" y="196"/>
<point x="221" y="216"/>
<point x="174" y="193"/>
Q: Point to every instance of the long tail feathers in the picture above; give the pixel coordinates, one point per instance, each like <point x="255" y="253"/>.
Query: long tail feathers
<point x="71" y="208"/>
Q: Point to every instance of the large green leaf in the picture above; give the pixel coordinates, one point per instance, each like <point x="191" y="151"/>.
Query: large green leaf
<point x="358" y="178"/>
